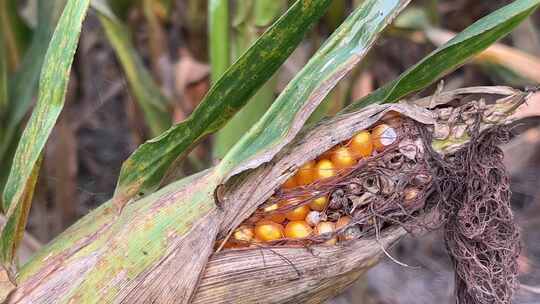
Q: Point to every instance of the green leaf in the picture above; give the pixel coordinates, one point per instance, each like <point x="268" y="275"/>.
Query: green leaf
<point x="17" y="216"/>
<point x="3" y="82"/>
<point x="266" y="11"/>
<point x="146" y="91"/>
<point x="249" y="22"/>
<point x="218" y="35"/>
<point x="474" y="39"/>
<point x="23" y="84"/>
<point x="51" y="96"/>
<point x="346" y="47"/>
<point x="145" y="168"/>
<point x="16" y="33"/>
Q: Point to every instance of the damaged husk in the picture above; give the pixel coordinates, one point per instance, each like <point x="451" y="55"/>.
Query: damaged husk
<point x="451" y="168"/>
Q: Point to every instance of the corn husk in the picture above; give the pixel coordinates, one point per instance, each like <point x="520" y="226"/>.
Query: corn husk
<point x="253" y="275"/>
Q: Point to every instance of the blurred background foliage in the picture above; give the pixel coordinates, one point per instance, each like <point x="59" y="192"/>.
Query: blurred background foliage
<point x="144" y="65"/>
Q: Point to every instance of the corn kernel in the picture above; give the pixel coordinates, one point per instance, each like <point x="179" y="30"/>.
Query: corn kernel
<point x="306" y="173"/>
<point x="361" y="144"/>
<point x="274" y="217"/>
<point x="326" y="227"/>
<point x="343" y="158"/>
<point x="343" y="221"/>
<point x="383" y="135"/>
<point x="325" y="169"/>
<point x="298" y="230"/>
<point x="319" y="203"/>
<point x="313" y="218"/>
<point x="298" y="213"/>
<point x="267" y="231"/>
<point x="290" y="183"/>
<point x="244" y="234"/>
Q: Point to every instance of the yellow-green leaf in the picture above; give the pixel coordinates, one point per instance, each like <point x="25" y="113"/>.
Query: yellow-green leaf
<point x="152" y="102"/>
<point x="51" y="95"/>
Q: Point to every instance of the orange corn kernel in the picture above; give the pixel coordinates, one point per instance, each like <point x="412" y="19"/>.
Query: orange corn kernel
<point x="306" y="173"/>
<point x="290" y="183"/>
<point x="361" y="144"/>
<point x="324" y="169"/>
<point x="298" y="230"/>
<point x="274" y="217"/>
<point x="343" y="157"/>
<point x="319" y="203"/>
<point x="298" y="213"/>
<point x="267" y="231"/>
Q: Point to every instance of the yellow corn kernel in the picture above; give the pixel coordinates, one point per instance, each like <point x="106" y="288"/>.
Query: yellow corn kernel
<point x="361" y="145"/>
<point x="297" y="230"/>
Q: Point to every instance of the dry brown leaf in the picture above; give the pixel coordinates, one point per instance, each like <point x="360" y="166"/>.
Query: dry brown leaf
<point x="191" y="84"/>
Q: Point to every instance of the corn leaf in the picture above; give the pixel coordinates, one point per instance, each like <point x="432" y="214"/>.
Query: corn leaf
<point x="16" y="33"/>
<point x="146" y="91"/>
<point x="452" y="54"/>
<point x="51" y="95"/>
<point x="346" y="47"/>
<point x="144" y="169"/>
<point x="3" y="82"/>
<point x="23" y="84"/>
<point x="16" y="218"/>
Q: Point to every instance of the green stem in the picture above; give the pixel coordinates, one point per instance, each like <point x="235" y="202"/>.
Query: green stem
<point x="250" y="19"/>
<point x="218" y="34"/>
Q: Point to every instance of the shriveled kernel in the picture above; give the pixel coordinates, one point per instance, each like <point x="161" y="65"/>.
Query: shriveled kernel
<point x="319" y="203"/>
<point x="267" y="231"/>
<point x="410" y="194"/>
<point x="343" y="221"/>
<point x="325" y="169"/>
<point x="313" y="218"/>
<point x="383" y="136"/>
<point x="361" y="144"/>
<point x="326" y="227"/>
<point x="298" y="230"/>
<point x="306" y="173"/>
<point x="351" y="233"/>
<point x="343" y="157"/>
<point x="244" y="234"/>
